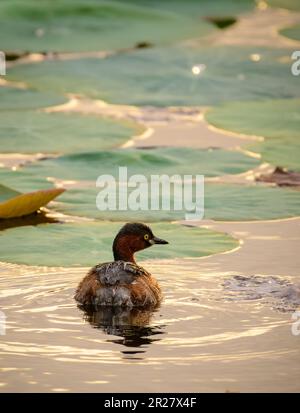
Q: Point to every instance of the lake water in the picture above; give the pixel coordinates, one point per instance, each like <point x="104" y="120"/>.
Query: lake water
<point x="204" y="337"/>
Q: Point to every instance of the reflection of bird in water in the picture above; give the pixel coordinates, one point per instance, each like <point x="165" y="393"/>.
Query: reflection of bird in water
<point x="130" y="323"/>
<point x="123" y="282"/>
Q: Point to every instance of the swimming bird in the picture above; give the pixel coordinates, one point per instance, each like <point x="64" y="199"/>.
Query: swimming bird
<point x="122" y="282"/>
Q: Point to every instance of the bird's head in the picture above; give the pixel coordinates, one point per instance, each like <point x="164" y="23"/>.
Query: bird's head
<point x="131" y="238"/>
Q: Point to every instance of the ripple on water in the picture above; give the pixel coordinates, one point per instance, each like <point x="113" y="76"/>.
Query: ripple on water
<point x="48" y="333"/>
<point x="280" y="293"/>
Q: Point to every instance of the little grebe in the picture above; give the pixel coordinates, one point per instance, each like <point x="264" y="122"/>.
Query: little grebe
<point x="123" y="282"/>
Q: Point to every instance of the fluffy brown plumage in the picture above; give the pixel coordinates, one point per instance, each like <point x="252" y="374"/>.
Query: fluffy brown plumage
<point x="122" y="282"/>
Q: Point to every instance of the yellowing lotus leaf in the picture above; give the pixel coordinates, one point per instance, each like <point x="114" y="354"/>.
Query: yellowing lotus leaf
<point x="25" y="204"/>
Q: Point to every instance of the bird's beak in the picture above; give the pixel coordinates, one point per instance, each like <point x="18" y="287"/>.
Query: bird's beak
<point x="156" y="240"/>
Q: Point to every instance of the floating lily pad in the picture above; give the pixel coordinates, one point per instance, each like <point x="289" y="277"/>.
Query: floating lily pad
<point x="7" y="193"/>
<point x="33" y="131"/>
<point x="222" y="202"/>
<point x="199" y="7"/>
<point x="172" y="76"/>
<point x="246" y="203"/>
<point x="86" y="244"/>
<point x="82" y="202"/>
<point x="13" y="98"/>
<point x="22" y="180"/>
<point x="89" y="25"/>
<point x="278" y="121"/>
<point x="88" y="166"/>
<point x="283" y="153"/>
<point x="291" y="32"/>
<point x="15" y="204"/>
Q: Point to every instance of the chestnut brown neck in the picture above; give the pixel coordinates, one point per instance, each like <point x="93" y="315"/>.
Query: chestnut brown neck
<point x="124" y="248"/>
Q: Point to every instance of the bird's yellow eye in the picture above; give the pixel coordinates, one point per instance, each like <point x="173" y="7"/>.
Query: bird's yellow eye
<point x="146" y="237"/>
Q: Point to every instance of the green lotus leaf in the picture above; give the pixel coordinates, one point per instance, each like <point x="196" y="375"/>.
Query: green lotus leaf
<point x="278" y="121"/>
<point x="33" y="131"/>
<point x="90" y="25"/>
<point x="21" y="180"/>
<point x="247" y="203"/>
<point x="222" y="8"/>
<point x="88" y="166"/>
<point x="165" y="77"/>
<point x="283" y="153"/>
<point x="86" y="244"/>
<point x="13" y="98"/>
<point x="291" y="32"/>
<point x="222" y="202"/>
<point x="7" y="193"/>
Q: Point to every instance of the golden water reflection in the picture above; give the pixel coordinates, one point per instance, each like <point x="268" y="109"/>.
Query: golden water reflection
<point x="195" y="341"/>
<point x="131" y="324"/>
